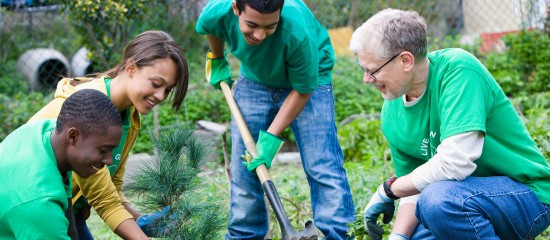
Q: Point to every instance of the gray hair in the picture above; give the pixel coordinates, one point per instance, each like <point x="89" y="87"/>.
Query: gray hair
<point x="390" y="31"/>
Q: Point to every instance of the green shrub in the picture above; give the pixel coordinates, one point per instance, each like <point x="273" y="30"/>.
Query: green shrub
<point x="351" y="95"/>
<point x="504" y="69"/>
<point x="104" y="26"/>
<point x="362" y="141"/>
<point x="541" y="80"/>
<point x="364" y="179"/>
<point x="337" y="13"/>
<point x="11" y="80"/>
<point x="16" y="111"/>
<point x="531" y="51"/>
<point x="535" y="113"/>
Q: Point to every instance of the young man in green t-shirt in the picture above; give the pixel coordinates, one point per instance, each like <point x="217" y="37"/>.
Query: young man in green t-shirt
<point x="285" y="80"/>
<point x="467" y="167"/>
<point x="35" y="159"/>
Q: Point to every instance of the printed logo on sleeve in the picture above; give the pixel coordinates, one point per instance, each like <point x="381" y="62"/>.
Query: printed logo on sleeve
<point x="426" y="147"/>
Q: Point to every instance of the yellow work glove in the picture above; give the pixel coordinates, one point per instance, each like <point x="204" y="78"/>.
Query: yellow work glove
<point x="217" y="70"/>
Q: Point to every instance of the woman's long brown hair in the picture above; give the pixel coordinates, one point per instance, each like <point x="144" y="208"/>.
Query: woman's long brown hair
<point x="148" y="47"/>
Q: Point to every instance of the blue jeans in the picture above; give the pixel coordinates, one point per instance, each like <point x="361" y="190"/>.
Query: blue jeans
<point x="315" y="133"/>
<point x="480" y="208"/>
<point x="81" y="227"/>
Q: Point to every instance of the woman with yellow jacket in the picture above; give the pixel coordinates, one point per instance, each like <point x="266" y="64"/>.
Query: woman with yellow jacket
<point x="153" y="68"/>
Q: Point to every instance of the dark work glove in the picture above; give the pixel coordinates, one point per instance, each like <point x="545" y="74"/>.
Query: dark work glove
<point x="378" y="204"/>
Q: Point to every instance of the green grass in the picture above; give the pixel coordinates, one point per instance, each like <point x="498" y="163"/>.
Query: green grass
<point x="99" y="229"/>
<point x="293" y="189"/>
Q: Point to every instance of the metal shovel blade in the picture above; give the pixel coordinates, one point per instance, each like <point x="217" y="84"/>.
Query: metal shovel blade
<point x="309" y="233"/>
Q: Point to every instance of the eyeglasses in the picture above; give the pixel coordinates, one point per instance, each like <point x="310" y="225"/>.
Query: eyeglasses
<point x="375" y="71"/>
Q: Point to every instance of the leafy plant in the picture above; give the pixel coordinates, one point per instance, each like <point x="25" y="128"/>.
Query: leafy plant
<point x="535" y="112"/>
<point x="357" y="228"/>
<point x="337" y="13"/>
<point x="11" y="81"/>
<point x="16" y="111"/>
<point x="294" y="194"/>
<point x="503" y="67"/>
<point x="362" y="141"/>
<point x="351" y="95"/>
<point x="105" y="25"/>
<point x="531" y="50"/>
<point x="364" y="179"/>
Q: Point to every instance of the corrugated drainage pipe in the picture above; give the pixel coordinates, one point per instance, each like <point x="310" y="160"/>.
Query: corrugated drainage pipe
<point x="80" y="63"/>
<point x="43" y="68"/>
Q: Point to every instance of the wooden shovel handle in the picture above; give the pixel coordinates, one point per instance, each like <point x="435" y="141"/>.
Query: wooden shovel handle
<point x="249" y="143"/>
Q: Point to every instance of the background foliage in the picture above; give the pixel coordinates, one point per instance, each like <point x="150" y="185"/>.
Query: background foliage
<point x="111" y="18"/>
<point x="521" y="67"/>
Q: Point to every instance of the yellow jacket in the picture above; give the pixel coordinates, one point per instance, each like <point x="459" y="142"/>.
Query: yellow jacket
<point x="104" y="193"/>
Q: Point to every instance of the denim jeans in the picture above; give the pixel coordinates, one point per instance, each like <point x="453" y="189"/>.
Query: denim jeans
<point x="480" y="208"/>
<point x="315" y="133"/>
<point x="81" y="227"/>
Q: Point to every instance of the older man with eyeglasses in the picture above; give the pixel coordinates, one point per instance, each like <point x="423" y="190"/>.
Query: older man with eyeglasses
<point x="466" y="165"/>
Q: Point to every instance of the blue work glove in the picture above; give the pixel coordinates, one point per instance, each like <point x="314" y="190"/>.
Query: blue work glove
<point x="378" y="204"/>
<point x="217" y="70"/>
<point x="149" y="223"/>
<point x="267" y="146"/>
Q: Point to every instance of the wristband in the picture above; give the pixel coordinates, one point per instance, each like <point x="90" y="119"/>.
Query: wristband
<point x="387" y="184"/>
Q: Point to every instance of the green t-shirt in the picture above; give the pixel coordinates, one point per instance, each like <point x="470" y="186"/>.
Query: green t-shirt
<point x="462" y="96"/>
<point x="33" y="197"/>
<point x="298" y="55"/>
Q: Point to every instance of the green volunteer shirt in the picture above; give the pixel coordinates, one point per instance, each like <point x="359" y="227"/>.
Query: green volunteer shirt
<point x="462" y="96"/>
<point x="117" y="152"/>
<point x="298" y="55"/>
<point x="33" y="197"/>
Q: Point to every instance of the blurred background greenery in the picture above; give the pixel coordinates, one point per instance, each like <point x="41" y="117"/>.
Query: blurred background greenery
<point x="515" y="48"/>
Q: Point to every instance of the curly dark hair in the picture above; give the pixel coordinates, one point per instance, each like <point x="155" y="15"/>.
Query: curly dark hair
<point x="262" y="6"/>
<point x="91" y="111"/>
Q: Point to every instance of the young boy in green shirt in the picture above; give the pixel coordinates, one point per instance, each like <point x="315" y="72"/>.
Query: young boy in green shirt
<point x="35" y="159"/>
<point x="285" y="80"/>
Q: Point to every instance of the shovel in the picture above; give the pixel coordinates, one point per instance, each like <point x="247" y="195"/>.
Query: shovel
<point x="289" y="233"/>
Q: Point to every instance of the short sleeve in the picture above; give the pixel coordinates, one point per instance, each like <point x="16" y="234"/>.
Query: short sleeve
<point x="303" y="67"/>
<point x="213" y="18"/>
<point x="465" y="102"/>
